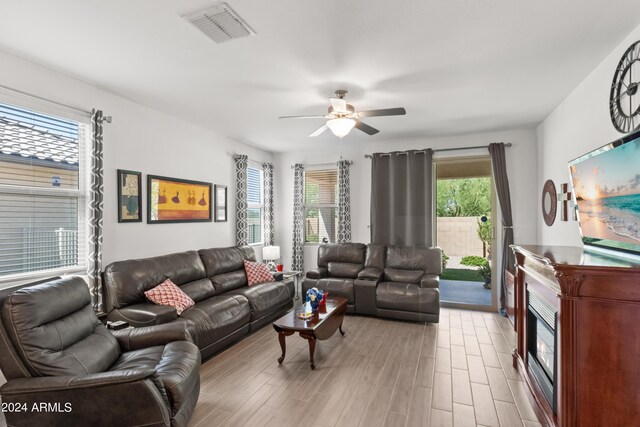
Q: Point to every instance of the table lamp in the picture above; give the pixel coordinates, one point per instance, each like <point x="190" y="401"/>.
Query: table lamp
<point x="271" y="254"/>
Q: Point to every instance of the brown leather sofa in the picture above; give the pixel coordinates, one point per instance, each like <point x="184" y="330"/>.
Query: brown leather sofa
<point x="55" y="352"/>
<point x="391" y="281"/>
<point x="226" y="308"/>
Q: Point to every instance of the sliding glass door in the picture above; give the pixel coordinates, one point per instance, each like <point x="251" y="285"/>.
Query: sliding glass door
<point x="464" y="205"/>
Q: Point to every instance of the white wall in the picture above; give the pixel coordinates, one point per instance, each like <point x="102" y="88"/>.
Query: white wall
<point x="521" y="165"/>
<point x="142" y="139"/>
<point x="578" y="125"/>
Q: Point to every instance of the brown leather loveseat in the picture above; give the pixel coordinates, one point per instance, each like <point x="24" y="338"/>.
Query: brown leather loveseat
<point x="225" y="308"/>
<point x="387" y="281"/>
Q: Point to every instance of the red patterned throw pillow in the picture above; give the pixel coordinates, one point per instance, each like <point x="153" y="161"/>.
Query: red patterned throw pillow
<point x="167" y="293"/>
<point x="257" y="273"/>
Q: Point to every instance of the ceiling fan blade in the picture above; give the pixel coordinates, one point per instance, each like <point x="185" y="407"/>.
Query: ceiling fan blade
<point x="366" y="128"/>
<point x="318" y="131"/>
<point x="303" y="117"/>
<point x="339" y="105"/>
<point x="383" y="112"/>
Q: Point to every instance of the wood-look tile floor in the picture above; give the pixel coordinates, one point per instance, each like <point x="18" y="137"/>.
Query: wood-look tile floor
<point x="382" y="373"/>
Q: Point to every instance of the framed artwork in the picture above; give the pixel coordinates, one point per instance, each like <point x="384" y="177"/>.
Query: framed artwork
<point x="177" y="200"/>
<point x="220" y="210"/>
<point x="129" y="196"/>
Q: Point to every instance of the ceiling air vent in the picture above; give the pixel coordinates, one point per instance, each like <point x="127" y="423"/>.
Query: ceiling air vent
<point x="220" y="23"/>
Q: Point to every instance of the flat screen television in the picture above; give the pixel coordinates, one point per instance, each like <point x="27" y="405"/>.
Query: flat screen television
<point x="606" y="190"/>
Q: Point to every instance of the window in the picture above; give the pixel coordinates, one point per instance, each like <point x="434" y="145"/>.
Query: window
<point x="42" y="197"/>
<point x="254" y="204"/>
<point x="320" y="206"/>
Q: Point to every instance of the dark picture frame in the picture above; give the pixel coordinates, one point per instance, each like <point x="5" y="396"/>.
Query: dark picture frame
<point x="129" y="196"/>
<point x="220" y="203"/>
<point x="173" y="200"/>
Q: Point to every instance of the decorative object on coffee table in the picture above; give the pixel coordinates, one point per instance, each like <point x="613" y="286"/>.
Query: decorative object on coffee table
<point x="271" y="254"/>
<point x="321" y="326"/>
<point x="314" y="296"/>
<point x="549" y="202"/>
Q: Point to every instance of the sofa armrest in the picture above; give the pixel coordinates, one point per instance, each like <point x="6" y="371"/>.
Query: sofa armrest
<point x="319" y="273"/>
<point x="144" y="314"/>
<point x="278" y="276"/>
<point x="370" y="273"/>
<point x="49" y="384"/>
<point x="430" y="281"/>
<point x="79" y="399"/>
<point x="148" y="336"/>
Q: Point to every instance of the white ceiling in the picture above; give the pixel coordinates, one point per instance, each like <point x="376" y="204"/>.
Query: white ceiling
<point x="457" y="66"/>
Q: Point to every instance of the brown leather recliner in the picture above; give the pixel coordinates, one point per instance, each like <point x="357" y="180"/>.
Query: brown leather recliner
<point x="64" y="367"/>
<point x="338" y="267"/>
<point x="408" y="288"/>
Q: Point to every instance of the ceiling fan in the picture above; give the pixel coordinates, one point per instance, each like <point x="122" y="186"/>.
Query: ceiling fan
<point x="343" y="117"/>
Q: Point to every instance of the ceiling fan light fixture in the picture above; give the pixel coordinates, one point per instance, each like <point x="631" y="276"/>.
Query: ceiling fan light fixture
<point x="341" y="127"/>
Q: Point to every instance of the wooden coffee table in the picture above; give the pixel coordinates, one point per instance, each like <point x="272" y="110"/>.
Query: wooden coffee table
<point x="324" y="323"/>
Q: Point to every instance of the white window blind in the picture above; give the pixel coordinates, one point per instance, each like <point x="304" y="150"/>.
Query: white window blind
<point x="42" y="195"/>
<point x="321" y="205"/>
<point x="254" y="204"/>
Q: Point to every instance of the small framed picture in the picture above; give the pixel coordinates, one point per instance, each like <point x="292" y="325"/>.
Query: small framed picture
<point x="220" y="203"/>
<point x="129" y="196"/>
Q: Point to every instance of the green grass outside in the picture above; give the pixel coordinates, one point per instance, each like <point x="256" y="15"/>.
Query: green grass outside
<point x="462" y="274"/>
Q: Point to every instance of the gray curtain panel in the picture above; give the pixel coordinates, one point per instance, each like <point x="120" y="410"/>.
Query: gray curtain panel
<point x="268" y="205"/>
<point x="402" y="198"/>
<point x="297" y="254"/>
<point x="344" y="202"/>
<point x="96" y="210"/>
<point x="501" y="180"/>
<point x="242" y="229"/>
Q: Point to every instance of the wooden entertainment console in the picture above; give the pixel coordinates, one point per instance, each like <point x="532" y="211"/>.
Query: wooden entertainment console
<point x="595" y="369"/>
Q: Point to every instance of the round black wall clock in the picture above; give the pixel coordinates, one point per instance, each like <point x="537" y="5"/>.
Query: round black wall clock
<point x="624" y="100"/>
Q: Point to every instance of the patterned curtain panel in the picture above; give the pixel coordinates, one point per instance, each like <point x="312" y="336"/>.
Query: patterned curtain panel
<point x="297" y="255"/>
<point x="242" y="229"/>
<point x="344" y="202"/>
<point x="268" y="204"/>
<point x="95" y="214"/>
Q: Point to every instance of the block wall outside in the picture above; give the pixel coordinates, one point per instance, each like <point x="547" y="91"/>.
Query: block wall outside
<point x="458" y="236"/>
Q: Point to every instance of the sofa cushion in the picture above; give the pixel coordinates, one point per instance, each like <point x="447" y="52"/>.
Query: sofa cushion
<point x="55" y="329"/>
<point x="428" y="260"/>
<point x="167" y="293"/>
<point x="336" y="287"/>
<point x="257" y="273"/>
<point x="224" y="260"/>
<point x="407" y="297"/>
<point x="126" y="281"/>
<point x="344" y="269"/>
<point x="341" y="252"/>
<point x="266" y="298"/>
<point x="176" y="364"/>
<point x="216" y="317"/>
<point x="199" y="289"/>
<point x="405" y="276"/>
<point x="225" y="266"/>
<point x="226" y="282"/>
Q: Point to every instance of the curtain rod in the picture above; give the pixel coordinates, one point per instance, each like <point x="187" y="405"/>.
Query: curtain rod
<point x="508" y="144"/>
<point x="323" y="164"/>
<point x="51" y="101"/>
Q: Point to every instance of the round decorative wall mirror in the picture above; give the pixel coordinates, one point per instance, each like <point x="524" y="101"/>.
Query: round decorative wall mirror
<point x="549" y="202"/>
